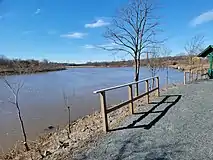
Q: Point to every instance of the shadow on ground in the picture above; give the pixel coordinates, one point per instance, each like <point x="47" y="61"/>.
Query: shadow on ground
<point x="148" y="152"/>
<point x="152" y="111"/>
<point x="134" y="146"/>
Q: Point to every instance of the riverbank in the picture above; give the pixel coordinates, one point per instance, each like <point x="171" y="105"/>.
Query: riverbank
<point x="30" y="71"/>
<point x="186" y="67"/>
<point x="56" y="145"/>
<point x="85" y="66"/>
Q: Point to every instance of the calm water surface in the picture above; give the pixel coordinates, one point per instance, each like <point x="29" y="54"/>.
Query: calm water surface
<point x="41" y="98"/>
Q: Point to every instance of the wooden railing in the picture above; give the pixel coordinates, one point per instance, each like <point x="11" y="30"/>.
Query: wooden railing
<point x="105" y="110"/>
<point x="191" y="76"/>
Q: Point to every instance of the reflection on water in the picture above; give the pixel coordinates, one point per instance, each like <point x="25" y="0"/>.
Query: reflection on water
<point x="41" y="98"/>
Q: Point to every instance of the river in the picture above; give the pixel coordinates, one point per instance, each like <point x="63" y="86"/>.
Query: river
<point x="41" y="98"/>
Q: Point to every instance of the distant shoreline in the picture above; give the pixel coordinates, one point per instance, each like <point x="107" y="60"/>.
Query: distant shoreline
<point x="9" y="72"/>
<point x="82" y="66"/>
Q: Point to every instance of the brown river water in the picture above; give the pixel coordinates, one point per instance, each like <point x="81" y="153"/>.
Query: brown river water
<point x="41" y="98"/>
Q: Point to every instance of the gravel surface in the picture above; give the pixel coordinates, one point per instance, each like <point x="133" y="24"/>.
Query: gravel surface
<point x="179" y="127"/>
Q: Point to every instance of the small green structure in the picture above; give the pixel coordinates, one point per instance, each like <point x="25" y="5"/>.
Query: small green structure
<point x="208" y="52"/>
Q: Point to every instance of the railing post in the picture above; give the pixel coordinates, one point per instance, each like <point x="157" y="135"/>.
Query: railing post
<point x="131" y="105"/>
<point x="190" y="76"/>
<point x="158" y="86"/>
<point x="103" y="111"/>
<point x="201" y="74"/>
<point x="136" y="89"/>
<point x="197" y="75"/>
<point x="184" y="80"/>
<point x="153" y="83"/>
<point x="147" y="90"/>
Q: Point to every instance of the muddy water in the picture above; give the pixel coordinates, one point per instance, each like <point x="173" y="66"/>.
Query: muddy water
<point x="42" y="103"/>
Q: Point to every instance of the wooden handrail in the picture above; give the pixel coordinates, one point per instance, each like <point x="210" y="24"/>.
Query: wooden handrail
<point x="123" y="85"/>
<point x="192" y="74"/>
<point x="130" y="101"/>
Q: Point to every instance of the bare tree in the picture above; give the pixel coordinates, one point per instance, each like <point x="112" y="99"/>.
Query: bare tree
<point x="154" y="62"/>
<point x="133" y="31"/>
<point x="15" y="91"/>
<point x="166" y="53"/>
<point x="193" y="47"/>
<point x="68" y="106"/>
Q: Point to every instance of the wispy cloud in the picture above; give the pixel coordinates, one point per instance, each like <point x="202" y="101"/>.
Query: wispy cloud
<point x="89" y="46"/>
<point x="27" y="32"/>
<point x="98" y="23"/>
<point x="202" y="18"/>
<point x="107" y="45"/>
<point x="38" y="11"/>
<point x="76" y="35"/>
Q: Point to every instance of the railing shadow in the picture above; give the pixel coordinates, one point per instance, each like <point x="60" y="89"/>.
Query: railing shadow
<point x="152" y="111"/>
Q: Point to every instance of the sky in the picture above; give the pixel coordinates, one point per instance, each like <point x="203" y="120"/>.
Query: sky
<point x="68" y="30"/>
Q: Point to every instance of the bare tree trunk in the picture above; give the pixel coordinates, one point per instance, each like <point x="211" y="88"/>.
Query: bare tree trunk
<point x="69" y="121"/>
<point x="153" y="82"/>
<point x="136" y="77"/>
<point x="167" y="77"/>
<point x="22" y="126"/>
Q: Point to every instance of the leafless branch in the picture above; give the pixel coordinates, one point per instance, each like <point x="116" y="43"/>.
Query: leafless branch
<point x="134" y="30"/>
<point x="15" y="90"/>
<point x="195" y="45"/>
<point x="154" y="63"/>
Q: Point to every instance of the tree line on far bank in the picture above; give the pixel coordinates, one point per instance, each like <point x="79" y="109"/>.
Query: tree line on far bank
<point x="170" y="60"/>
<point x="18" y="66"/>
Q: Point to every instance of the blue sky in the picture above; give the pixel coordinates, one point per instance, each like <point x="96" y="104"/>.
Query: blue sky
<point x="67" y="30"/>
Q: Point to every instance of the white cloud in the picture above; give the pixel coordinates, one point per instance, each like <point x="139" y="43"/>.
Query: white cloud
<point x="98" y="23"/>
<point x="76" y="35"/>
<point x="37" y="11"/>
<point x="203" y="18"/>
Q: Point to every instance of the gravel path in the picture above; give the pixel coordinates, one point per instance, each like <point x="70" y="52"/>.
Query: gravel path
<point x="179" y="127"/>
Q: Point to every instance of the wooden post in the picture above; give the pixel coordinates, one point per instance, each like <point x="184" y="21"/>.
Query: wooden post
<point x="197" y="75"/>
<point x="201" y="74"/>
<point x="192" y="76"/>
<point x="147" y="90"/>
<point x="158" y="86"/>
<point x="184" y="80"/>
<point x="103" y="111"/>
<point x="153" y="83"/>
<point x="136" y="89"/>
<point x="131" y="105"/>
